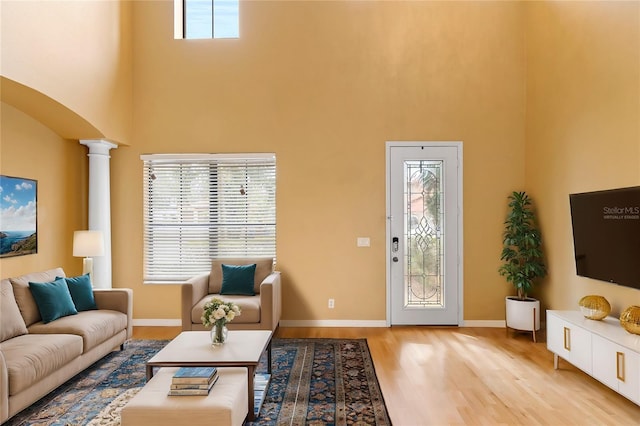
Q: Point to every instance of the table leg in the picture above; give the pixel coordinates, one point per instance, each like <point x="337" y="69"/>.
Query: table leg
<point x="269" y="358"/>
<point x="251" y="371"/>
<point x="149" y="372"/>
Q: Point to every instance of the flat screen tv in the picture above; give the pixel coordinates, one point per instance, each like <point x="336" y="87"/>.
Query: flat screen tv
<point x="606" y="235"/>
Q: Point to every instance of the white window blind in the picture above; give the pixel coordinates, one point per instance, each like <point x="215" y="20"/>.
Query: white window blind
<point x="199" y="207"/>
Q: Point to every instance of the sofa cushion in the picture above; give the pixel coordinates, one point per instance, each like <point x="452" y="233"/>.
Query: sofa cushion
<point x="53" y="299"/>
<point x="82" y="292"/>
<point x="249" y="307"/>
<point x="238" y="279"/>
<point x="24" y="298"/>
<point x="11" y="322"/>
<point x="94" y="327"/>
<point x="264" y="267"/>
<point x="30" y="358"/>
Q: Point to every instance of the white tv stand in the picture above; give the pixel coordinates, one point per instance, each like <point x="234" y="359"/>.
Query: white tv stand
<point x="602" y="349"/>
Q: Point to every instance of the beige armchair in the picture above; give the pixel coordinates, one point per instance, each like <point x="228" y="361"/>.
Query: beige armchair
<point x="259" y="312"/>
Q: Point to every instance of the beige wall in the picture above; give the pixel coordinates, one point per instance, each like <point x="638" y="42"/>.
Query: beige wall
<point x="583" y="125"/>
<point x="78" y="53"/>
<point x="324" y="85"/>
<point x="31" y="150"/>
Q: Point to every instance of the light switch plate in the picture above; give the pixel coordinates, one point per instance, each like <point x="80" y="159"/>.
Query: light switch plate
<point x="364" y="242"/>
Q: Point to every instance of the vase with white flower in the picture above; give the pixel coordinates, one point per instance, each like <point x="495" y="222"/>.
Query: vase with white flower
<point x="217" y="313"/>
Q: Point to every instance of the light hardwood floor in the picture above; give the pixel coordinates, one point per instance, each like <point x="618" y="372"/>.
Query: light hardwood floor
<point x="484" y="376"/>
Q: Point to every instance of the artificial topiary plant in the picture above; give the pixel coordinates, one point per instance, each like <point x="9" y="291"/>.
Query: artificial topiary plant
<point x="522" y="241"/>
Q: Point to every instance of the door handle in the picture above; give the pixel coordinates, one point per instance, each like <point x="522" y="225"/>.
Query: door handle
<point x="395" y="246"/>
<point x="620" y="366"/>
<point x="567" y="338"/>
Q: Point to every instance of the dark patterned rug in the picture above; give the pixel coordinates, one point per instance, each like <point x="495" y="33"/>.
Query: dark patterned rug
<point x="322" y="382"/>
<point x="314" y="382"/>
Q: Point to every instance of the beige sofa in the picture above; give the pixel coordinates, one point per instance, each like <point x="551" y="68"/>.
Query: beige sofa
<point x="259" y="312"/>
<point x="35" y="357"/>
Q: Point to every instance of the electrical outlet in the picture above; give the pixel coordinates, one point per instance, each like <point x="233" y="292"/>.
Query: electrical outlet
<point x="332" y="303"/>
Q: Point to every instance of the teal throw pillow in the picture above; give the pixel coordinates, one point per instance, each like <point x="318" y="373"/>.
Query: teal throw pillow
<point x="238" y="280"/>
<point x="53" y="299"/>
<point x="82" y="292"/>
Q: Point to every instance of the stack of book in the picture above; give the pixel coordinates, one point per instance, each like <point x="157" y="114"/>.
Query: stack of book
<point x="193" y="380"/>
<point x="260" y="384"/>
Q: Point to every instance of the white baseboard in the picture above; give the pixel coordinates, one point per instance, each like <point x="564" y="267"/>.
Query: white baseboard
<point x="148" y="322"/>
<point x="157" y="322"/>
<point x="484" y="323"/>
<point x="333" y="323"/>
<point x="283" y="323"/>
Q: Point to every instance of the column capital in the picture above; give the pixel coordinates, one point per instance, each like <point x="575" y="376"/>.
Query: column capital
<point x="98" y="146"/>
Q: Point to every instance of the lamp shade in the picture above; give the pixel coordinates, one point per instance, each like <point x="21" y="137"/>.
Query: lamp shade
<point x="88" y="243"/>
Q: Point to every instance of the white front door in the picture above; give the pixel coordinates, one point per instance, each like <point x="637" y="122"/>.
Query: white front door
<point x="424" y="233"/>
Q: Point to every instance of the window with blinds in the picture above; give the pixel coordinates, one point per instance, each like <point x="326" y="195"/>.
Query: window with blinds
<point x="199" y="207"/>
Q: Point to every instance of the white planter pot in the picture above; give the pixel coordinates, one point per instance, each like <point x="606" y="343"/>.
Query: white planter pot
<point x="523" y="314"/>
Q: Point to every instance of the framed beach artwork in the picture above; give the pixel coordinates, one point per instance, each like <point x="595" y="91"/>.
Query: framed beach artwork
<point x="19" y="220"/>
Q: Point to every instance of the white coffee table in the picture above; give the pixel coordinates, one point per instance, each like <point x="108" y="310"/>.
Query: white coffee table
<point x="243" y="348"/>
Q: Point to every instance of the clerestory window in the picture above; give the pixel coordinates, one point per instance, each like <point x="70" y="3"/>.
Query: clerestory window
<point x="199" y="207"/>
<point x="202" y="19"/>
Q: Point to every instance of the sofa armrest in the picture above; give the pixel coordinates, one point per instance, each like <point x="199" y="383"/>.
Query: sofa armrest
<point x="193" y="290"/>
<point x="4" y="390"/>
<point x="270" y="302"/>
<point x="116" y="299"/>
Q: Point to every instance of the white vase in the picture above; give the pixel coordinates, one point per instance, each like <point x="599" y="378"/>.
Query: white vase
<point x="218" y="334"/>
<point x="523" y="314"/>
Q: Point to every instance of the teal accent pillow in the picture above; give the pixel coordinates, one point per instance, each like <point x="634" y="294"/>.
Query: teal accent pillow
<point x="238" y="280"/>
<point x="53" y="299"/>
<point x="81" y="292"/>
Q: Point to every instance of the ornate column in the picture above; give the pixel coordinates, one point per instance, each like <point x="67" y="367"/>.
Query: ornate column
<point x="100" y="205"/>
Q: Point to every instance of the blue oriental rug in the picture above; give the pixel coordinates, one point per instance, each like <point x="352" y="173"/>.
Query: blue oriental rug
<point x="314" y="381"/>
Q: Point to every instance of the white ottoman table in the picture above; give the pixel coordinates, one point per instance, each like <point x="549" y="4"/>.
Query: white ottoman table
<point x="226" y="403"/>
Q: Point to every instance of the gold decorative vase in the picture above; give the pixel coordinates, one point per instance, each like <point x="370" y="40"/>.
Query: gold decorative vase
<point x="630" y="319"/>
<point x="594" y="307"/>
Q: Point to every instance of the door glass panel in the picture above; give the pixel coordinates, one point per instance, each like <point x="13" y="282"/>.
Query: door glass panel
<point x="423" y="235"/>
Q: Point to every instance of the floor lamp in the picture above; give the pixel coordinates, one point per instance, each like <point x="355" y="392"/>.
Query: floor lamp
<point x="88" y="244"/>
